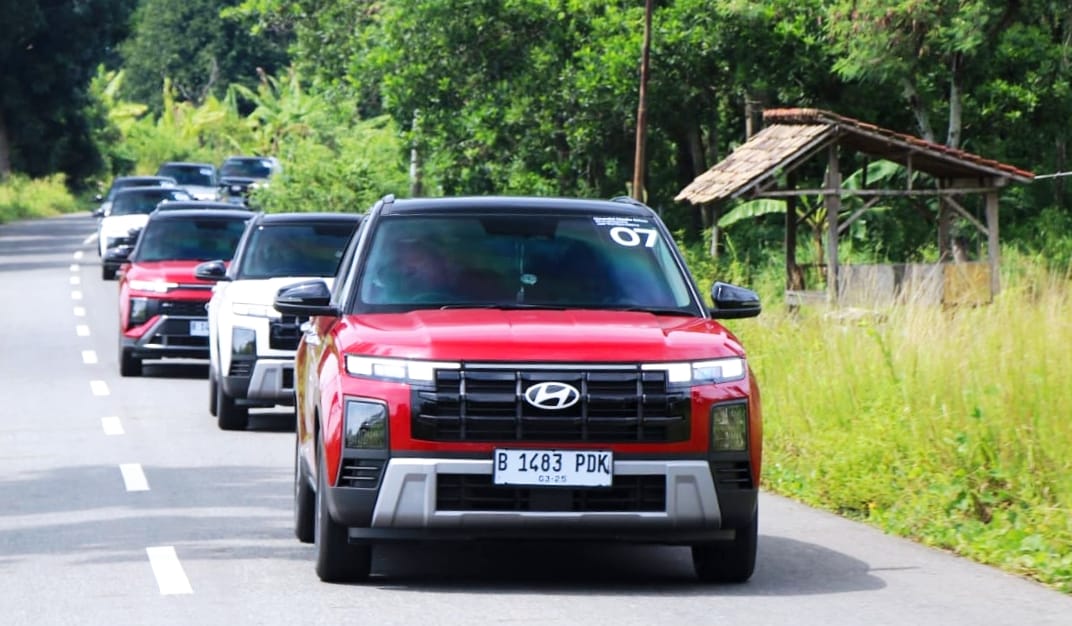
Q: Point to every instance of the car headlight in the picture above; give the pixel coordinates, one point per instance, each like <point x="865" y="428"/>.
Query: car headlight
<point x="729" y="426"/>
<point x="700" y="372"/>
<point x="402" y="370"/>
<point x="366" y="425"/>
<point x="254" y="310"/>
<point x="152" y="286"/>
<point x="243" y="341"/>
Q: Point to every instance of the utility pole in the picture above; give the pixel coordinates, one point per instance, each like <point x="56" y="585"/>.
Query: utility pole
<point x="642" y="110"/>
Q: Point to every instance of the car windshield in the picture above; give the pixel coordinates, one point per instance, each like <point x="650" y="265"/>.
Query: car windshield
<point x="296" y="249"/>
<point x="134" y="202"/>
<point x="517" y="261"/>
<point x="200" y="239"/>
<point x="192" y="175"/>
<point x="247" y="168"/>
<point x="125" y="183"/>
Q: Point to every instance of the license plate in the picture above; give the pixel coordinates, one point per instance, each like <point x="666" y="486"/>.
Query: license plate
<point x="199" y="328"/>
<point x="554" y="468"/>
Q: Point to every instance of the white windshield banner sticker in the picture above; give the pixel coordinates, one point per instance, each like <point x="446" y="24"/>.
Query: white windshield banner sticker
<point x="630" y="232"/>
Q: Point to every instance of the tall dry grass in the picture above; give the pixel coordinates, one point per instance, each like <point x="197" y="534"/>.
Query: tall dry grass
<point x="948" y="426"/>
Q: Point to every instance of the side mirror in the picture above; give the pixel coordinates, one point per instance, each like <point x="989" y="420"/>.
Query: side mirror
<point x="307" y="298"/>
<point x="733" y="302"/>
<point x="211" y="271"/>
<point x="98" y="198"/>
<point x="98" y="212"/>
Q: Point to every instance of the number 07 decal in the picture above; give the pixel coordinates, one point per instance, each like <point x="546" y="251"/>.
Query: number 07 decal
<point x="632" y="237"/>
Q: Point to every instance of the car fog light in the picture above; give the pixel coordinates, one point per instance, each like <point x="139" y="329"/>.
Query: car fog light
<point x="243" y="341"/>
<point x="366" y="425"/>
<point x="139" y="310"/>
<point x="729" y="426"/>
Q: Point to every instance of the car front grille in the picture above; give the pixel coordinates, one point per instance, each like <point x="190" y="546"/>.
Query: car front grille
<point x="284" y="333"/>
<point x="477" y="492"/>
<point x="623" y="404"/>
<point x="183" y="308"/>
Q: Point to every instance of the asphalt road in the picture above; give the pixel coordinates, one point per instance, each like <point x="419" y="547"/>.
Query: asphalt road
<point x="122" y="503"/>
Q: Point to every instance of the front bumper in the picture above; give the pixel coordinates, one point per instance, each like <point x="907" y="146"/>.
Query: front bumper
<point x="169" y="337"/>
<point x="411" y="501"/>
<point x="265" y="381"/>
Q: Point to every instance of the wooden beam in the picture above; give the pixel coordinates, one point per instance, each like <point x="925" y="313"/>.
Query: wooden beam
<point x="993" y="250"/>
<point x="857" y="213"/>
<point x="964" y="213"/>
<point x="833" y="207"/>
<point x="791" y="240"/>
<point x="945" y="229"/>
<point x="864" y="193"/>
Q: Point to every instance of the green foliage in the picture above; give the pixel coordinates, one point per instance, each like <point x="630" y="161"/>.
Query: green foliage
<point x="22" y="197"/>
<point x="48" y="53"/>
<point x="348" y="174"/>
<point x="199" y="52"/>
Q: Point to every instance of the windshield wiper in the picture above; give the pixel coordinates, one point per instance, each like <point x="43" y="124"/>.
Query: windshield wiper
<point x="506" y="306"/>
<point x="654" y="310"/>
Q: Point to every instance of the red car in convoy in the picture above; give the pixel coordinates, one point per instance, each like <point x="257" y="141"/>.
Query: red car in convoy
<point x="161" y="304"/>
<point x="522" y="368"/>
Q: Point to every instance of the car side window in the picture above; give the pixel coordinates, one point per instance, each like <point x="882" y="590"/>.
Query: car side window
<point x="345" y="277"/>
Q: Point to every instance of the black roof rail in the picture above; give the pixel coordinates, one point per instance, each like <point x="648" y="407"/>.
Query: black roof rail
<point x="629" y="200"/>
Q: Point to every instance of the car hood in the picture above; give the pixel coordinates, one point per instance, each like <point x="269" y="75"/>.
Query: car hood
<point x="120" y="224"/>
<point x="180" y="272"/>
<point x="529" y="335"/>
<point x="240" y="180"/>
<point x="263" y="291"/>
<point x="201" y="192"/>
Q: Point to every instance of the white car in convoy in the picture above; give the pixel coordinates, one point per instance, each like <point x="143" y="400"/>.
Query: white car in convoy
<point x="126" y="216"/>
<point x="251" y="345"/>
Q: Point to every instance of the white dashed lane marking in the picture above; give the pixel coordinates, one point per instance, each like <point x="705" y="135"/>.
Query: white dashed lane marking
<point x="89" y="357"/>
<point x="82" y="330"/>
<point x="74" y="267"/>
<point x="76" y="295"/>
<point x="134" y="477"/>
<point x="75" y="280"/>
<point x="78" y="254"/>
<point x="79" y="311"/>
<point x="99" y="387"/>
<point x="112" y="425"/>
<point x="170" y="576"/>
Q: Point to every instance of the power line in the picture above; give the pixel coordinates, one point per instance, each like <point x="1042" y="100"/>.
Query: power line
<point x="1057" y="175"/>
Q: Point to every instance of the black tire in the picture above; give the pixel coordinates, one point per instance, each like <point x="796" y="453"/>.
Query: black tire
<point x="229" y="414"/>
<point x="107" y="273"/>
<point x="728" y="561"/>
<point x="212" y="399"/>
<point x="304" y="502"/>
<point x="337" y="560"/>
<point x="129" y="365"/>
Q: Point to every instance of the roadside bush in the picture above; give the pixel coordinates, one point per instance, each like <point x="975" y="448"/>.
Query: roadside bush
<point x="22" y="197"/>
<point x="347" y="174"/>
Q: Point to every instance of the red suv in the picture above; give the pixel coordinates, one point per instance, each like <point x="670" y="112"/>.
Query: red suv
<point x="161" y="304"/>
<point x="504" y="367"/>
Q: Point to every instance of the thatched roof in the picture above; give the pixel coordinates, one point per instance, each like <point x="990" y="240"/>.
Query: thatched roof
<point x="794" y="135"/>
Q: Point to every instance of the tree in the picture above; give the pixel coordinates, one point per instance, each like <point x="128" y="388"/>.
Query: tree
<point x="200" y="52"/>
<point x="48" y="53"/>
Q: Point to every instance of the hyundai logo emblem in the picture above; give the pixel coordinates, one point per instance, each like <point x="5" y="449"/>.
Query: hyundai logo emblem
<point x="552" y="396"/>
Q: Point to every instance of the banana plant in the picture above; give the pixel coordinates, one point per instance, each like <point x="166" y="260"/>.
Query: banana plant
<point x="811" y="207"/>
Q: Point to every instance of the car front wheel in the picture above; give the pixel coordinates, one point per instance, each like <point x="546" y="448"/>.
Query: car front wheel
<point x="129" y="365"/>
<point x="304" y="501"/>
<point x="728" y="561"/>
<point x="337" y="560"/>
<point x="229" y="414"/>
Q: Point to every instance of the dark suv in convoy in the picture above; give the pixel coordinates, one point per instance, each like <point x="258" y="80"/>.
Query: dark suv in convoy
<point x="239" y="175"/>
<point x="502" y="367"/>
<point x="161" y="304"/>
<point x="251" y="362"/>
